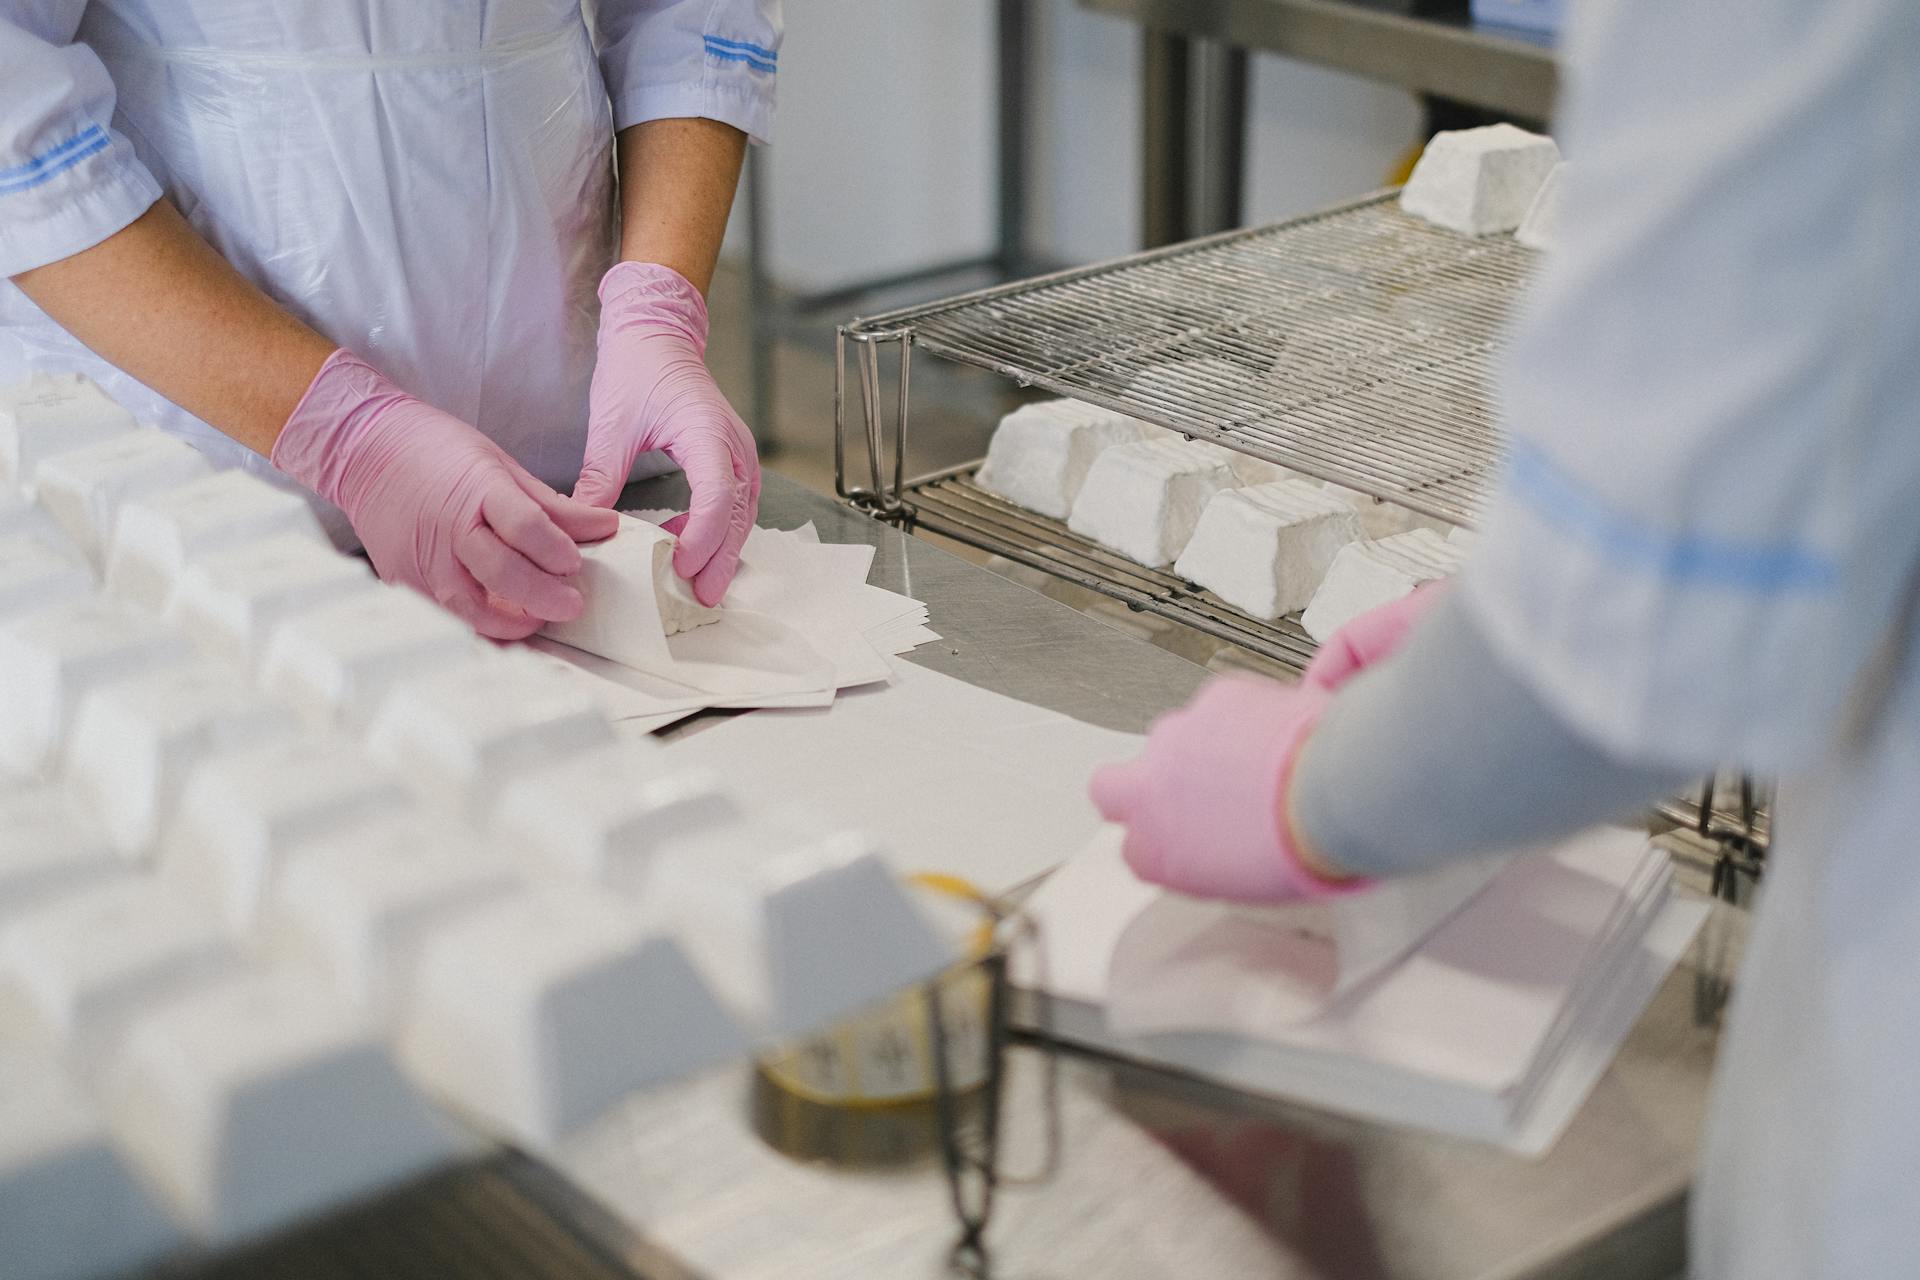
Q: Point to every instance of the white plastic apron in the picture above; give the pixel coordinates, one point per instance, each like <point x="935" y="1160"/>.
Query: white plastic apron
<point x="429" y="186"/>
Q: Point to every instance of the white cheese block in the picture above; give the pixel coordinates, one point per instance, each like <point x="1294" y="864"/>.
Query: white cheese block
<point x="634" y="599"/>
<point x="1541" y="227"/>
<point x="602" y="815"/>
<point x="1265" y="549"/>
<point x="159" y="534"/>
<point x="49" y="848"/>
<point x="537" y="1012"/>
<point x="135" y="741"/>
<point x="460" y="735"/>
<point x="20" y="514"/>
<point x="336" y="664"/>
<point x="1366" y="575"/>
<point x="261" y="1100"/>
<point x="357" y="906"/>
<point x="49" y="414"/>
<point x="1479" y="181"/>
<point x="84" y="489"/>
<point x="243" y="815"/>
<point x="1144" y="499"/>
<point x="231" y="601"/>
<point x="768" y="923"/>
<point x="37" y="572"/>
<point x="70" y="1209"/>
<point x="50" y="658"/>
<point x="1381" y="519"/>
<point x="1040" y="453"/>
<point x="87" y="962"/>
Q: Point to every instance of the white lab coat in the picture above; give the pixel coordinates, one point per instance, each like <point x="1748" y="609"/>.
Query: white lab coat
<point x="427" y="184"/>
<point x="1707" y="545"/>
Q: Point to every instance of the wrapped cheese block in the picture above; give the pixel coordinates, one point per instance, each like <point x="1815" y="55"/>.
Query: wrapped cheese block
<point x="1143" y="500"/>
<point x="48" y="848"/>
<point x="135" y="741"/>
<point x="535" y="1013"/>
<point x="336" y="664"/>
<point x="1367" y="574"/>
<point x="231" y="601"/>
<point x="260" y="1100"/>
<point x="52" y="657"/>
<point x="84" y="489"/>
<point x="461" y="735"/>
<point x="1479" y="181"/>
<point x="87" y="963"/>
<point x="244" y="815"/>
<point x="1041" y="452"/>
<point x="1265" y="549"/>
<point x="1380" y="518"/>
<point x="158" y="535"/>
<point x="38" y="571"/>
<point x="634" y="599"/>
<point x="70" y="1208"/>
<point x="50" y="414"/>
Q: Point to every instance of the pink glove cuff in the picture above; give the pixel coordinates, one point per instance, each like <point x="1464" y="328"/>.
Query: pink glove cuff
<point x="646" y="294"/>
<point x="344" y="402"/>
<point x="1205" y="804"/>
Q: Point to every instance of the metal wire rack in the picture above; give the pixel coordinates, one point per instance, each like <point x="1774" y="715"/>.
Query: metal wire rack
<point x="1353" y="345"/>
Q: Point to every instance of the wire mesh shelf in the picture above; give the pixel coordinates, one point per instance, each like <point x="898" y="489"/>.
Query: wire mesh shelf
<point x="1353" y="345"/>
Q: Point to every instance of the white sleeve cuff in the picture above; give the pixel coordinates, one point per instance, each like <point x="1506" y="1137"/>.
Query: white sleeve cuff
<point x="74" y="209"/>
<point x="745" y="107"/>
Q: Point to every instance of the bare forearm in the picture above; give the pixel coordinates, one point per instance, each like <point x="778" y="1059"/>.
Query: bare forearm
<point x="677" y="179"/>
<point x="156" y="301"/>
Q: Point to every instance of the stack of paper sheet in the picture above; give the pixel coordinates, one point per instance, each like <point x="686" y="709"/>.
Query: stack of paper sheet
<point x="1483" y="1003"/>
<point x="799" y="624"/>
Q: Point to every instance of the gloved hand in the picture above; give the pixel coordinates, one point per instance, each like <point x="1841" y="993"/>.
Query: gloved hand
<point x="1203" y="806"/>
<point x="437" y="505"/>
<point x="652" y="390"/>
<point x="1374" y="635"/>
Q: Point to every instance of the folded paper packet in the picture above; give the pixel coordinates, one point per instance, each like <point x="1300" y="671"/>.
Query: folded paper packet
<point x="634" y="598"/>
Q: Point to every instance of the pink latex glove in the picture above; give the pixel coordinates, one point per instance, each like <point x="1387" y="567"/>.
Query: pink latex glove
<point x="437" y="505"/>
<point x="1203" y="805"/>
<point x="1374" y="635"/>
<point x="652" y="390"/>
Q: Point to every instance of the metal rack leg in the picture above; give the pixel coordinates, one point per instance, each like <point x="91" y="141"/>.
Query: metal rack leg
<point x="1221" y="149"/>
<point x="1164" y="164"/>
<point x="760" y="298"/>
<point x="1014" y="31"/>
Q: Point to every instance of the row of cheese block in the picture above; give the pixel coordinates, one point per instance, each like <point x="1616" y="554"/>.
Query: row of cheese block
<point x="1265" y="541"/>
<point x="1484" y="181"/>
<point x="285" y="853"/>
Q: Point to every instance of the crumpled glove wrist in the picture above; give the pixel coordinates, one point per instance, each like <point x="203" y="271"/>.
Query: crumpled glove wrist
<point x="652" y="391"/>
<point x="437" y="505"/>
<point x="1204" y="805"/>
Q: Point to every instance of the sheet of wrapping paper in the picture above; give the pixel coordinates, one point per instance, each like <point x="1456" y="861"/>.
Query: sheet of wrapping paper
<point x="634" y="599"/>
<point x="1177" y="956"/>
<point x="799" y="624"/>
<point x="997" y="795"/>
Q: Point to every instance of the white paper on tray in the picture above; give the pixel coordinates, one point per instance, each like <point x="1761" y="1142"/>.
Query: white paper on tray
<point x="1177" y="963"/>
<point x="949" y="777"/>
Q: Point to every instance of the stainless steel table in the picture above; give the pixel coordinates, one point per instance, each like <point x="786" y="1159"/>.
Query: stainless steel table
<point x="1161" y="1176"/>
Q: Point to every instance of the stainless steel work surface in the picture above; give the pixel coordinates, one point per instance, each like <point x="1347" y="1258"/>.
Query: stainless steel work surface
<point x="1161" y="1176"/>
<point x="1406" y="44"/>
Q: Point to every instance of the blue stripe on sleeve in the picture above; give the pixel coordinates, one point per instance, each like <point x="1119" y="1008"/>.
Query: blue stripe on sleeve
<point x="741" y="46"/>
<point x="53" y="161"/>
<point x="1560" y="500"/>
<point x="720" y="49"/>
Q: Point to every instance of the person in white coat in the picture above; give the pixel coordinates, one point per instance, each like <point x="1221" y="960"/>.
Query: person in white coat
<point x="363" y="240"/>
<point x="1704" y="550"/>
